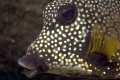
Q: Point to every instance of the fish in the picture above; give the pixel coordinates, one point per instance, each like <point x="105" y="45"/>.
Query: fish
<point x="80" y="38"/>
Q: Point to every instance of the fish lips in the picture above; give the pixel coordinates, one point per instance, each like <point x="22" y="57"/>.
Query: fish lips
<point x="32" y="65"/>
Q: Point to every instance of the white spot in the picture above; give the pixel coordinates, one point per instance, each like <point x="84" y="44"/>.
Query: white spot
<point x="80" y="45"/>
<point x="89" y="21"/>
<point x="41" y="45"/>
<point x="48" y="39"/>
<point x="62" y="27"/>
<point x="60" y="43"/>
<point x="45" y="46"/>
<point x="71" y="29"/>
<point x="38" y="41"/>
<point x="64" y="35"/>
<point x="59" y="38"/>
<point x="51" y="36"/>
<point x="54" y="20"/>
<point x="48" y="32"/>
<point x="77" y="27"/>
<point x="64" y="49"/>
<point x="81" y="22"/>
<point x="68" y="40"/>
<point x="70" y="44"/>
<point x="75" y="49"/>
<point x="69" y="34"/>
<point x="69" y="48"/>
<point x="75" y="23"/>
<point x="78" y="19"/>
<point x="56" y="35"/>
<point x="43" y="50"/>
<point x="57" y="25"/>
<point x="48" y="43"/>
<point x="52" y="31"/>
<point x="83" y="40"/>
<point x="80" y="36"/>
<point x="66" y="30"/>
<point x="79" y="32"/>
<point x="60" y="32"/>
<point x="49" y="51"/>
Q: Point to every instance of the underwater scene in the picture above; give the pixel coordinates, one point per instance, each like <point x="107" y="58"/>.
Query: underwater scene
<point x="59" y="39"/>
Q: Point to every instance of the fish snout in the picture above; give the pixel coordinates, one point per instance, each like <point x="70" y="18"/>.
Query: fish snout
<point x="32" y="64"/>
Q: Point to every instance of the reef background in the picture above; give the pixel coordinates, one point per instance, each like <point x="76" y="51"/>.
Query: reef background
<point x="20" y="24"/>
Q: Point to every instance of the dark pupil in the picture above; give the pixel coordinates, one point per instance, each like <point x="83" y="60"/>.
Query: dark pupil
<point x="68" y="14"/>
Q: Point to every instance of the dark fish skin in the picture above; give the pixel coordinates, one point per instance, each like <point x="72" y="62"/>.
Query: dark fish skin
<point x="65" y="38"/>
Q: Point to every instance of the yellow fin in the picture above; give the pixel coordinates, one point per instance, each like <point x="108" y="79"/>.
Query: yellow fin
<point x="102" y="43"/>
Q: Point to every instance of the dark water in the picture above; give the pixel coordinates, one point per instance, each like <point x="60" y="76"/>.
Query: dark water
<point x="20" y="24"/>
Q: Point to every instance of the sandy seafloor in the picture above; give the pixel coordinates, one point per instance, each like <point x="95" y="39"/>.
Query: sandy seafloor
<point x="20" y="24"/>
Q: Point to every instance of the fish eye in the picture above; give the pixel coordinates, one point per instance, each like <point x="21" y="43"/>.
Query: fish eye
<point x="67" y="14"/>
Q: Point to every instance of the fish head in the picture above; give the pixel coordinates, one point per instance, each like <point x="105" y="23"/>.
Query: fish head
<point x="65" y="45"/>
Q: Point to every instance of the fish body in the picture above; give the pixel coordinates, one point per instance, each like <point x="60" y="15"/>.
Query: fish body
<point x="80" y="38"/>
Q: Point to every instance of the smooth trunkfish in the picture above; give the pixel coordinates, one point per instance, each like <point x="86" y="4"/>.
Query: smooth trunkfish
<point x="80" y="38"/>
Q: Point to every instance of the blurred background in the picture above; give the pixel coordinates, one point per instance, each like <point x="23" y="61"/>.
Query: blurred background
<point x="20" y="24"/>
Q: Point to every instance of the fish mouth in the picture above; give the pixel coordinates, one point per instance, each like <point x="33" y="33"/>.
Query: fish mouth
<point x="32" y="65"/>
<point x="28" y="71"/>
